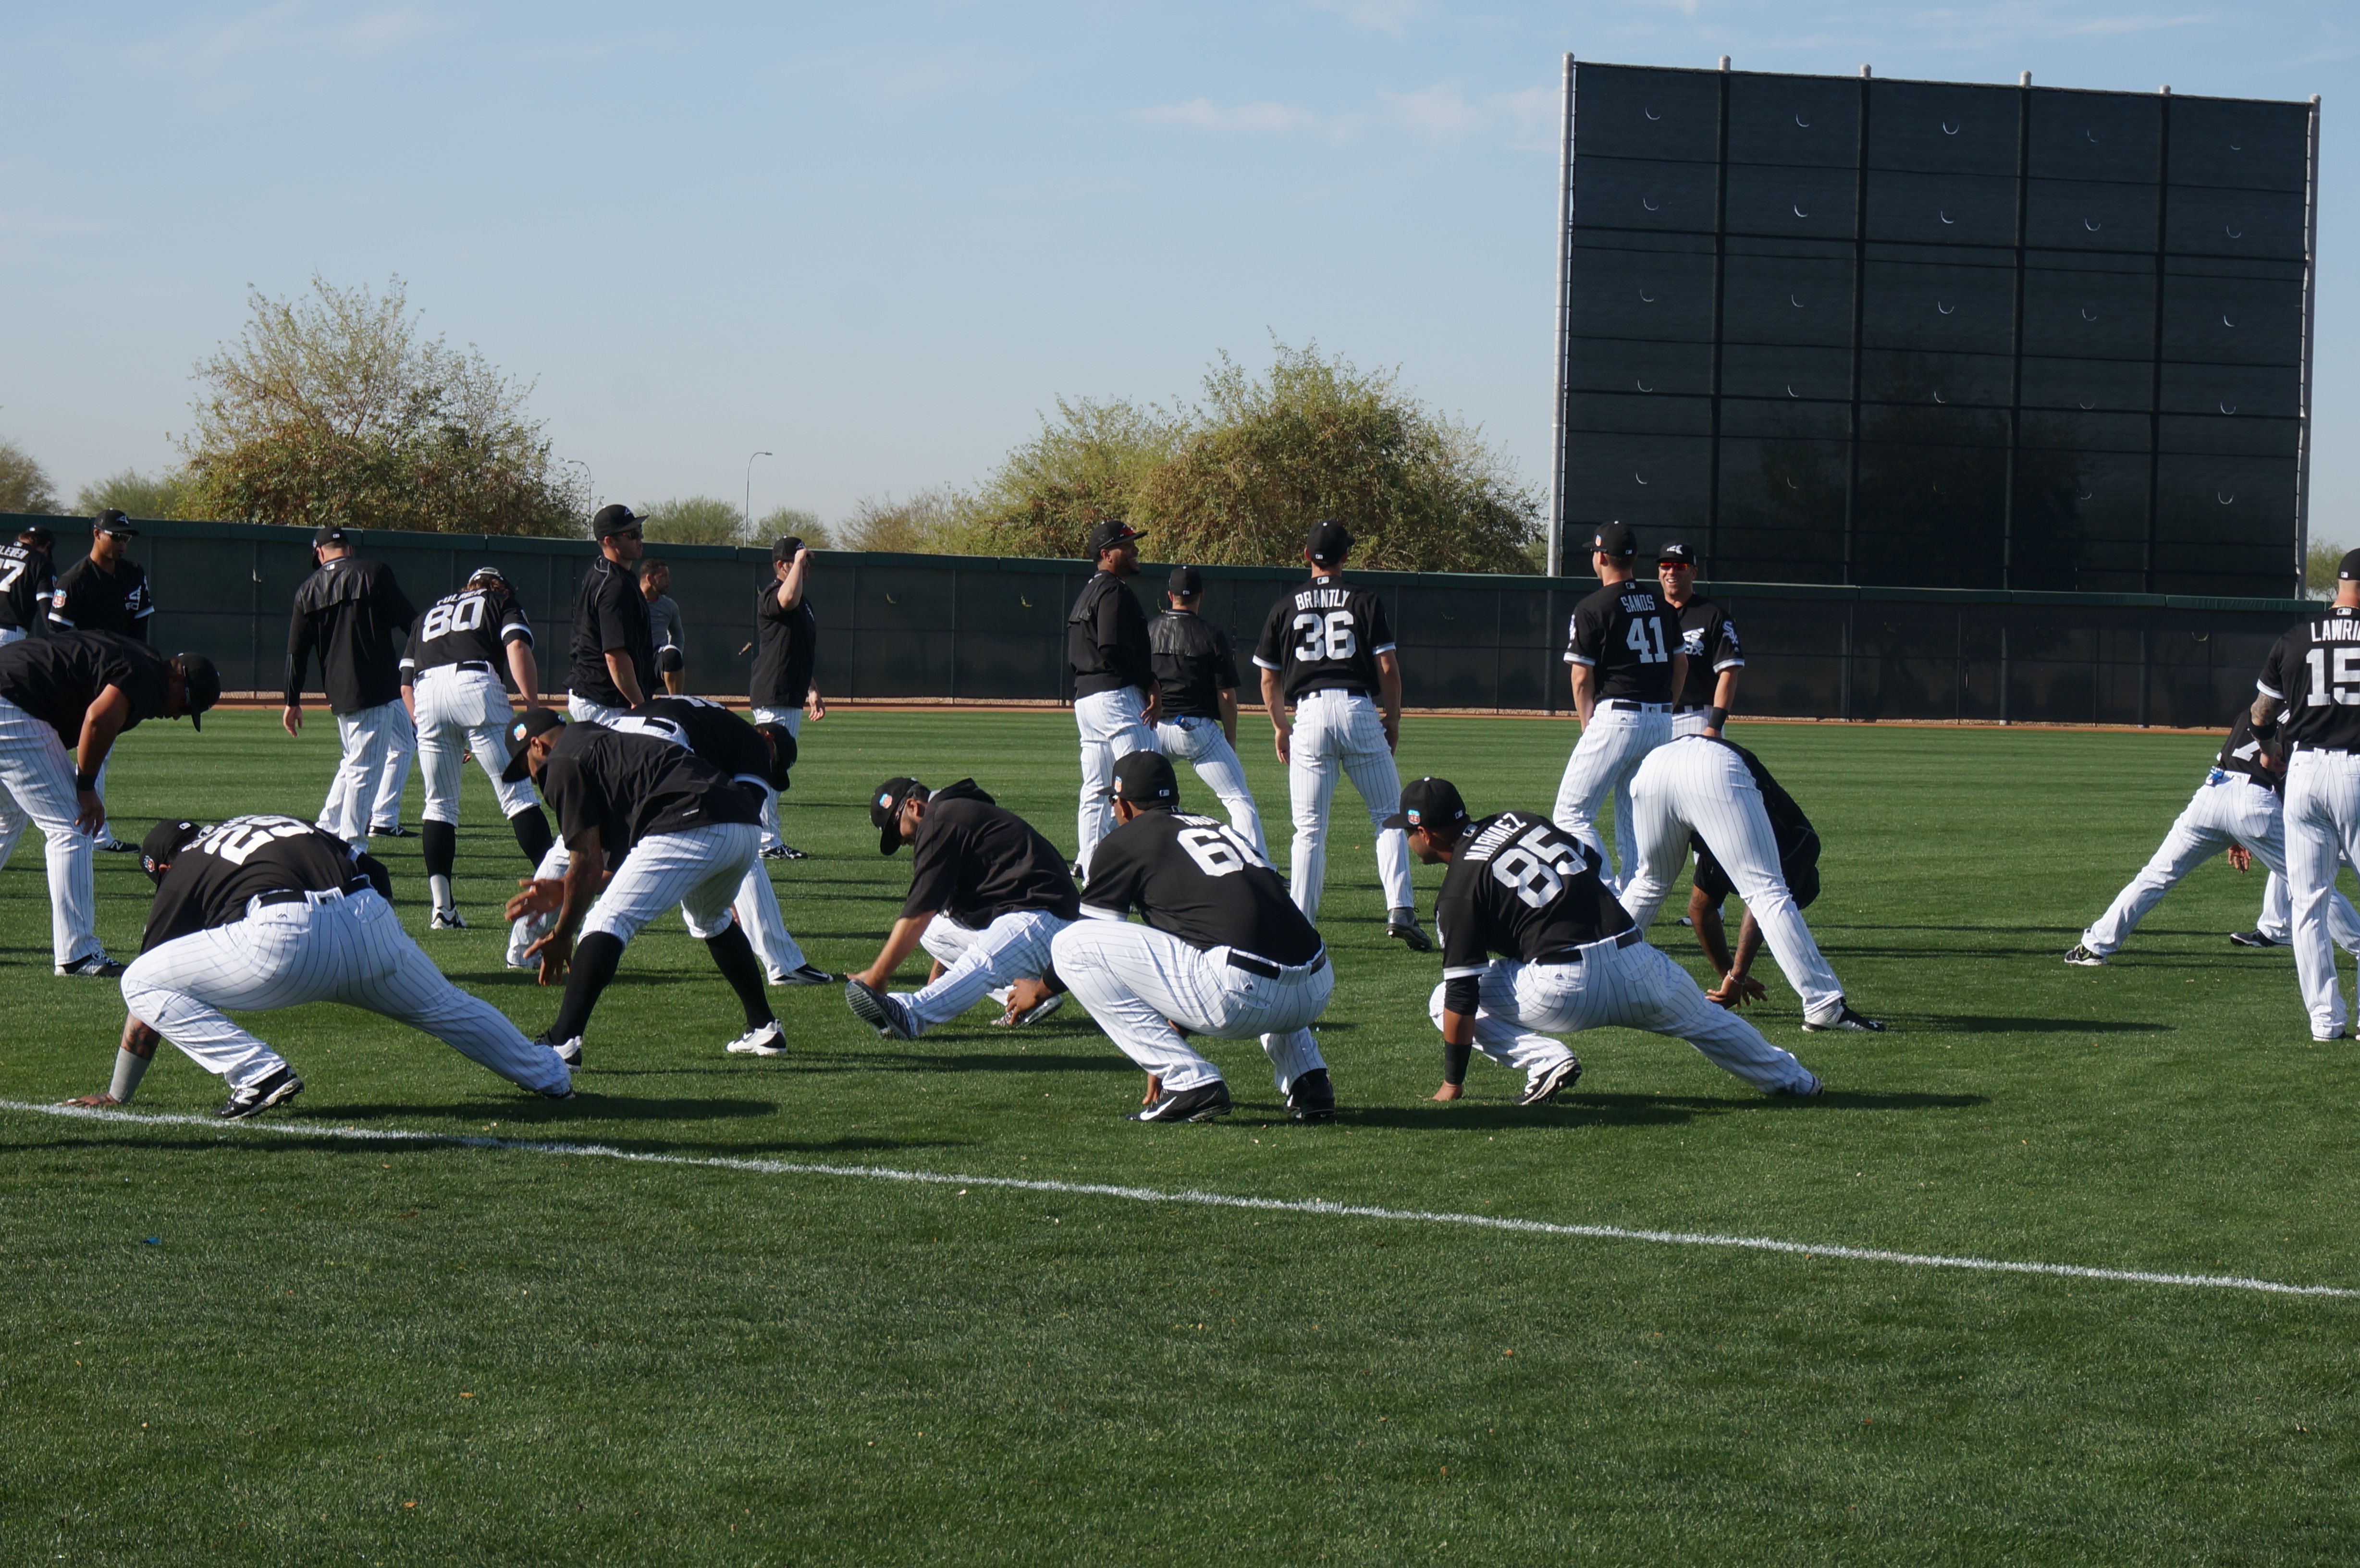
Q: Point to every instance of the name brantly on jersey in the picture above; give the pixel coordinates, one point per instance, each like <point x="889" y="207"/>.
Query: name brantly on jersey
<point x="1323" y="599"/>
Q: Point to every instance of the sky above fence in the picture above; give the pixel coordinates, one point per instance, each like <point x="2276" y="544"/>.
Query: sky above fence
<point x="875" y="240"/>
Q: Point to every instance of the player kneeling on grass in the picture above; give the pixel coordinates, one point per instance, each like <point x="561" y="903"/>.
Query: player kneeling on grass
<point x="1224" y="953"/>
<point x="1568" y="956"/>
<point x="680" y="832"/>
<point x="267" y="913"/>
<point x="987" y="894"/>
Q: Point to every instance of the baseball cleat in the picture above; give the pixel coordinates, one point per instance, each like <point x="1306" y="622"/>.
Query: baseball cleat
<point x="803" y="975"/>
<point x="1545" y="1086"/>
<point x="93" y="966"/>
<point x="1403" y="924"/>
<point x="2084" y="958"/>
<point x="768" y="1041"/>
<point x="1033" y="1014"/>
<point x="397" y="830"/>
<point x="880" y="1011"/>
<point x="2324" y="1038"/>
<point x="568" y="1052"/>
<point x="2255" y="939"/>
<point x="1845" y="1019"/>
<point x="1201" y="1104"/>
<point x="1806" y="1087"/>
<point x="1312" y="1098"/>
<point x="785" y="852"/>
<point x="276" y="1090"/>
<point x="446" y="919"/>
<point x="114" y="846"/>
<point x="564" y="1093"/>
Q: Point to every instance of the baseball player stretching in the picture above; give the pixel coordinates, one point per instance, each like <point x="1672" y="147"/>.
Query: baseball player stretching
<point x="1798" y="871"/>
<point x="681" y="832"/>
<point x="787" y="633"/>
<point x="1709" y="641"/>
<point x="263" y="912"/>
<point x="63" y="699"/>
<point x="1533" y="944"/>
<point x="27" y="580"/>
<point x="1224" y="954"/>
<point x="2313" y="675"/>
<point x="1698" y="787"/>
<point x="357" y="618"/>
<point x="987" y="893"/>
<point x="613" y="651"/>
<point x="1326" y="651"/>
<point x="1196" y="679"/>
<point x="665" y="626"/>
<point x="451" y="686"/>
<point x="2239" y="809"/>
<point x="105" y="590"/>
<point x="1626" y="672"/>
<point x="1116" y="700"/>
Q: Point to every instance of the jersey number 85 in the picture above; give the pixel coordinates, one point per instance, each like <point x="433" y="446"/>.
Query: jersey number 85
<point x="1533" y="870"/>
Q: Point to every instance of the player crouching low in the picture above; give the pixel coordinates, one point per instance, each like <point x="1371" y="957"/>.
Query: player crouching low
<point x="1225" y="952"/>
<point x="265" y="912"/>
<point x="1568" y="957"/>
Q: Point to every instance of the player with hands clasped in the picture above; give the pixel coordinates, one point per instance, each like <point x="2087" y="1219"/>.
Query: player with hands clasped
<point x="1224" y="953"/>
<point x="1196" y="675"/>
<point x="27" y="580"/>
<point x="1533" y="944"/>
<point x="1708" y="642"/>
<point x="263" y="912"/>
<point x="2239" y="809"/>
<point x="63" y="699"/>
<point x="1326" y="651"/>
<point x="675" y="829"/>
<point x="1115" y="697"/>
<point x="1625" y="651"/>
<point x="450" y="684"/>
<point x="783" y="691"/>
<point x="613" y="651"/>
<point x="356" y="617"/>
<point x="986" y="895"/>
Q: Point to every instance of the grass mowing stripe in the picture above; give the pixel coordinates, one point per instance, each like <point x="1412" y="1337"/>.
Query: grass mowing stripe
<point x="1203" y="1199"/>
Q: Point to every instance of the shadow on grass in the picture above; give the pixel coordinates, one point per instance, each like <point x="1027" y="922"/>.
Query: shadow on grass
<point x="1631" y="1110"/>
<point x="1975" y="1023"/>
<point x="590" y="1103"/>
<point x="888" y="1061"/>
<point x="511" y="1130"/>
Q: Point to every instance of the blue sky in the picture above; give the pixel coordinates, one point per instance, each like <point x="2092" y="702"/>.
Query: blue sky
<point x="877" y="239"/>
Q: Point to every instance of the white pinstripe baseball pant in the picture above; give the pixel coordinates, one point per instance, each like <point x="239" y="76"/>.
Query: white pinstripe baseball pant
<point x="676" y="873"/>
<point x="348" y="948"/>
<point x="1342" y="730"/>
<point x="1699" y="786"/>
<point x="583" y="710"/>
<point x="1626" y="987"/>
<point x="463" y="712"/>
<point x="1111" y="725"/>
<point x="1615" y="741"/>
<point x="369" y="740"/>
<point x="1202" y="744"/>
<point x="2276" y="920"/>
<point x="979" y="964"/>
<point x="2231" y="810"/>
<point x="2323" y="832"/>
<point x="791" y="720"/>
<point x="1136" y="982"/>
<point x="36" y="783"/>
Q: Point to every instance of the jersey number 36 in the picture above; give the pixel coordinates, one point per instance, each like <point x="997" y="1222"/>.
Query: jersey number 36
<point x="1325" y="637"/>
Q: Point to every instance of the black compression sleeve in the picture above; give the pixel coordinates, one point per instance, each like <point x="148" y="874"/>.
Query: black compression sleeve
<point x="439" y="844"/>
<point x="733" y="954"/>
<point x="1463" y="995"/>
<point x="379" y="877"/>
<point x="594" y="960"/>
<point x="532" y="834"/>
<point x="1454" y="1063"/>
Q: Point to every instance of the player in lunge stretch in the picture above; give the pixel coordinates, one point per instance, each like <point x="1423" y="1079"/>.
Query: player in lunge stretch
<point x="1225" y="953"/>
<point x="1533" y="945"/>
<point x="986" y="895"/>
<point x="1327" y="652"/>
<point x="451" y="685"/>
<point x="783" y="691"/>
<point x="27" y="580"/>
<point x="2239" y="809"/>
<point x="1116" y="700"/>
<point x="356" y="617"/>
<point x="1625" y="651"/>
<point x="677" y="831"/>
<point x="1197" y="678"/>
<point x="1709" y="642"/>
<point x="613" y="651"/>
<point x="262" y="912"/>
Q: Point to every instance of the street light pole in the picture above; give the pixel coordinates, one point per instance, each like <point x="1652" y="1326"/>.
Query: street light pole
<point x="750" y="490"/>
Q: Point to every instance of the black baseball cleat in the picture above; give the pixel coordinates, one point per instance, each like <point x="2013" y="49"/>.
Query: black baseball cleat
<point x="276" y="1090"/>
<point x="564" y="1093"/>
<point x="116" y="846"/>
<point x="568" y="1052"/>
<point x="785" y="852"/>
<point x="2255" y="939"/>
<point x="1806" y="1087"/>
<point x="1312" y="1098"/>
<point x="1547" y="1087"/>
<point x="1845" y="1019"/>
<point x="2082" y="958"/>
<point x="1402" y="924"/>
<point x="94" y="966"/>
<point x="804" y="974"/>
<point x="878" y="1010"/>
<point x="397" y="830"/>
<point x="1201" y="1104"/>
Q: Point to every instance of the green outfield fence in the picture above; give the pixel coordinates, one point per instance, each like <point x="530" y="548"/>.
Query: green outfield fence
<point x="990" y="629"/>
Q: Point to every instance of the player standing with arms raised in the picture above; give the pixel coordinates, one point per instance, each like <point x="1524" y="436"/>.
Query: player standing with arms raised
<point x="27" y="580"/>
<point x="1116" y="700"/>
<point x="356" y="618"/>
<point x="1327" y="651"/>
<point x="613" y="651"/>
<point x="1197" y="679"/>
<point x="1709" y="640"/>
<point x="1625" y="651"/>
<point x="787" y="633"/>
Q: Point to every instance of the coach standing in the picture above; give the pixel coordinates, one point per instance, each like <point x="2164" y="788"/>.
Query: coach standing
<point x="788" y="635"/>
<point x="613" y="651"/>
<point x="27" y="580"/>
<point x="1115" y="697"/>
<point x="356" y="618"/>
<point x="1709" y="638"/>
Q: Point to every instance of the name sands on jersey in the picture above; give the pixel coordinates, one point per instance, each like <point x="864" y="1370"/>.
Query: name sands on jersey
<point x="1529" y="859"/>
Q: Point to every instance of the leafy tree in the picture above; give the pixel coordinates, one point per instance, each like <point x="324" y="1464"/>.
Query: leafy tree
<point x="332" y="409"/>
<point x="792" y="522"/>
<point x="697" y="520"/>
<point x="2319" y="564"/>
<point x="136" y="495"/>
<point x="24" y="482"/>
<point x="927" y="523"/>
<point x="1087" y="464"/>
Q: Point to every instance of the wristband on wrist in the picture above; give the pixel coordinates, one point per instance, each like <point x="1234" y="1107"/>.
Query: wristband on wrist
<point x="1715" y="718"/>
<point x="84" y="781"/>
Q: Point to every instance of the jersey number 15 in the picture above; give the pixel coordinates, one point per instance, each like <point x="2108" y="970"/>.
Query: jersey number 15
<point x="2346" y="678"/>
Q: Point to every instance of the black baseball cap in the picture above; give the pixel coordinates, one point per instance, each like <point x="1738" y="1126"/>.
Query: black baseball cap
<point x="1677" y="553"/>
<point x="785" y="549"/>
<point x="783" y="751"/>
<point x="162" y="842"/>
<point x="529" y="724"/>
<point x="1145" y="779"/>
<point x="2349" y="567"/>
<point x="1186" y="582"/>
<point x="1429" y="803"/>
<point x="1614" y="539"/>
<point x="200" y="686"/>
<point x="1329" y="543"/>
<point x="331" y="533"/>
<point x="38" y="534"/>
<point x="1109" y="533"/>
<point x="613" y="518"/>
<point x="112" y="521"/>
<point x="885" y="804"/>
<point x="488" y="575"/>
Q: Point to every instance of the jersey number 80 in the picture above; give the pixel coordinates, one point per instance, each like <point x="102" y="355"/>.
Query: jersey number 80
<point x="462" y="614"/>
<point x="1325" y="637"/>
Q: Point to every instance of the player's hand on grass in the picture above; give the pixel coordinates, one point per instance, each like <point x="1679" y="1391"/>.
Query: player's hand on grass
<point x="1448" y="1092"/>
<point x="1735" y="990"/>
<point x="98" y="1102"/>
<point x="90" y="812"/>
<point x="1025" y="996"/>
<point x="554" y="951"/>
<point x="291" y="717"/>
<point x="2240" y="858"/>
<point x="541" y="896"/>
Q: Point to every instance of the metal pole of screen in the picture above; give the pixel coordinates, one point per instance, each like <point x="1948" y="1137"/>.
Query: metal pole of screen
<point x="750" y="490"/>
<point x="1563" y="325"/>
<point x="2309" y="334"/>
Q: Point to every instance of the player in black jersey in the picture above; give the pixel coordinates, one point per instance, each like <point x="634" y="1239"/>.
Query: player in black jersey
<point x="107" y="591"/>
<point x="451" y="686"/>
<point x="1624" y="650"/>
<point x="354" y="614"/>
<point x="1708" y="639"/>
<point x="264" y="913"/>
<point x="1115" y="693"/>
<point x="1326" y="651"/>
<point x="2313" y="674"/>
<point x="1196" y="673"/>
<point x="1224" y="954"/>
<point x="27" y="580"/>
<point x="786" y="629"/>
<point x="613" y="651"/>
<point x="1532" y="940"/>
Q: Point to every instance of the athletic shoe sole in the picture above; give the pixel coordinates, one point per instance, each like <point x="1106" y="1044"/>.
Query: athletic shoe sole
<point x="1558" y="1078"/>
<point x="806" y="976"/>
<point x="767" y="1041"/>
<point x="876" y="1010"/>
<point x="1198" y="1104"/>
<point x="446" y="919"/>
<point x="238" y="1110"/>
<point x="97" y="966"/>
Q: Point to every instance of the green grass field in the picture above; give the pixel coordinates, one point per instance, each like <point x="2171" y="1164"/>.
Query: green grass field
<point x="225" y="1343"/>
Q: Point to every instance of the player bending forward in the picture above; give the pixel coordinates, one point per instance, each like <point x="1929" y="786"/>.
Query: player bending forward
<point x="267" y="913"/>
<point x="1532" y="940"/>
<point x="986" y="895"/>
<point x="2239" y="807"/>
<point x="1224" y="953"/>
<point x="1798" y="873"/>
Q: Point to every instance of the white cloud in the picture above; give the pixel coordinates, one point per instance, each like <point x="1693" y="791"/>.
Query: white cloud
<point x="225" y="64"/>
<point x="1444" y="113"/>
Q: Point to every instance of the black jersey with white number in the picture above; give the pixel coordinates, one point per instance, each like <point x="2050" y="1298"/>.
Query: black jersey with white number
<point x="1625" y="632"/>
<point x="1325" y="635"/>
<point x="27" y="580"/>
<point x="215" y="872"/>
<point x="471" y="627"/>
<point x="1521" y="889"/>
<point x="633" y="786"/>
<point x="1710" y="639"/>
<point x="721" y="738"/>
<point x="974" y="861"/>
<point x="1200" y="879"/>
<point x="2315" y="671"/>
<point x="1194" y="664"/>
<point x="90" y="598"/>
<point x="2243" y="753"/>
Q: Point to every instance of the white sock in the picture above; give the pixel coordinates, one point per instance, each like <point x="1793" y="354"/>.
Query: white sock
<point x="441" y="890"/>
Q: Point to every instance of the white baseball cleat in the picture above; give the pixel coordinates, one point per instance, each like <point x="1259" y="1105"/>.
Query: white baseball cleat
<point x="768" y="1041"/>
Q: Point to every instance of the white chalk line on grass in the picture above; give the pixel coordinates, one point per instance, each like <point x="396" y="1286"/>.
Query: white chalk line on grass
<point x="1207" y="1199"/>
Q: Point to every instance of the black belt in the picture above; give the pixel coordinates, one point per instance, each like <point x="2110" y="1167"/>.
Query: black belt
<point x="1269" y="970"/>
<point x="299" y="896"/>
<point x="1631" y="705"/>
<point x="1573" y="955"/>
<point x="1691" y="708"/>
<point x="1341" y="691"/>
<point x="475" y="666"/>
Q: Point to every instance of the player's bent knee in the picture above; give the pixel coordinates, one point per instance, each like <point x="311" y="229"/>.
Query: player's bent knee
<point x="1434" y="1006"/>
